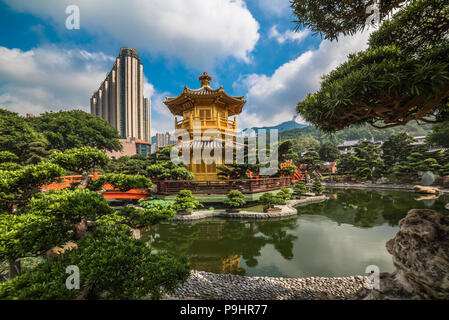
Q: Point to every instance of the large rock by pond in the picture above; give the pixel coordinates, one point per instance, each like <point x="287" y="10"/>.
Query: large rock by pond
<point x="426" y="190"/>
<point x="428" y="178"/>
<point x="420" y="253"/>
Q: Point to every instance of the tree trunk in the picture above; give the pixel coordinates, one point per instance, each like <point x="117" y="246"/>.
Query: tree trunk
<point x="81" y="229"/>
<point x="15" y="269"/>
<point x="84" y="180"/>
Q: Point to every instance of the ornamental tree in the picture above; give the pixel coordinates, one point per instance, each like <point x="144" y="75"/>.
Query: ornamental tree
<point x="235" y="200"/>
<point x="402" y="76"/>
<point x="75" y="129"/>
<point x="397" y="148"/>
<point x="185" y="202"/>
<point x="329" y="152"/>
<point x="439" y="135"/>
<point x="81" y="161"/>
<point x="269" y="200"/>
<point x="20" y="138"/>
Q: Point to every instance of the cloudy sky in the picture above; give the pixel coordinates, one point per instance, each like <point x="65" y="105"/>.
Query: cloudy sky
<point x="250" y="47"/>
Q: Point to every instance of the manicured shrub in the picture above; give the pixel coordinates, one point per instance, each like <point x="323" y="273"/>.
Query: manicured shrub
<point x="235" y="200"/>
<point x="185" y="202"/>
<point x="269" y="200"/>
<point x="284" y="194"/>
<point x="300" y="187"/>
<point x="317" y="187"/>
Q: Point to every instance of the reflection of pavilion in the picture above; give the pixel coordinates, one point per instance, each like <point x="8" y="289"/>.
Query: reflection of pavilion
<point x="217" y="264"/>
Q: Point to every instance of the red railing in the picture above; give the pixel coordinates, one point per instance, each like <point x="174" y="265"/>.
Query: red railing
<point x="169" y="187"/>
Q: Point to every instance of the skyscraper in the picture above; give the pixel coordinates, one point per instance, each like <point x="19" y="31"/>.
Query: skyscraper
<point x="120" y="101"/>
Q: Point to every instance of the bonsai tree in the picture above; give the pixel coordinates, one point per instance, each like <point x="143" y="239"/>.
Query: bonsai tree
<point x="269" y="200"/>
<point x="402" y="76"/>
<point x="33" y="223"/>
<point x="185" y="202"/>
<point x="284" y="194"/>
<point x="317" y="187"/>
<point x="235" y="200"/>
<point x="300" y="187"/>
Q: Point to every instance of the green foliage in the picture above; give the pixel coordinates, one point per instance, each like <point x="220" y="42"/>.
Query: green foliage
<point x="397" y="148"/>
<point x="402" y="76"/>
<point x="19" y="138"/>
<point x="301" y="136"/>
<point x="235" y="200"/>
<point x="30" y="234"/>
<point x="285" y="151"/>
<point x="75" y="129"/>
<point x="18" y="186"/>
<point x="168" y="171"/>
<point x="317" y="187"/>
<point x="123" y="182"/>
<point x="299" y="187"/>
<point x="439" y="136"/>
<point x="6" y="156"/>
<point x="234" y="171"/>
<point x="329" y="152"/>
<point x="185" y="202"/>
<point x="70" y="205"/>
<point x="288" y="170"/>
<point x="366" y="162"/>
<point x="269" y="200"/>
<point x="80" y="159"/>
<point x="151" y="203"/>
<point x="112" y="266"/>
<point x="284" y="194"/>
<point x="330" y="18"/>
<point x="139" y="218"/>
<point x="156" y="166"/>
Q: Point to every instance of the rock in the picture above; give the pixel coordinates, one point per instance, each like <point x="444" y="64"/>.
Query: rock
<point x="446" y="206"/>
<point x="445" y="182"/>
<point x="383" y="180"/>
<point x="428" y="178"/>
<point x="420" y="253"/>
<point x="426" y="190"/>
<point x="308" y="194"/>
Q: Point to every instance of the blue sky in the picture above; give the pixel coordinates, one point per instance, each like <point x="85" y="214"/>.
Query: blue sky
<point x="249" y="47"/>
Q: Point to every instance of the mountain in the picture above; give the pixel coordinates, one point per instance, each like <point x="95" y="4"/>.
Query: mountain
<point x="284" y="126"/>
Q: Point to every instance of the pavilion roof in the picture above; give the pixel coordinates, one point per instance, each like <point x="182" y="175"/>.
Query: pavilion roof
<point x="177" y="104"/>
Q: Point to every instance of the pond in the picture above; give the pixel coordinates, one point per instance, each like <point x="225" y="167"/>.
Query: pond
<point x="338" y="237"/>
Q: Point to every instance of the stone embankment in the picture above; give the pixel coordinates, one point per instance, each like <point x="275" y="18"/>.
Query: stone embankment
<point x="206" y="286"/>
<point x="287" y="210"/>
<point x="377" y="186"/>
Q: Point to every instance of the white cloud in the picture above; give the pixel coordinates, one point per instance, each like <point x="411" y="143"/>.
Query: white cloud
<point x="49" y="78"/>
<point x="196" y="32"/>
<point x="287" y="35"/>
<point x="275" y="7"/>
<point x="272" y="99"/>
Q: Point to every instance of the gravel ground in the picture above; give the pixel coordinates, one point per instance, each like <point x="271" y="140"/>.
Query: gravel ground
<point x="206" y="286"/>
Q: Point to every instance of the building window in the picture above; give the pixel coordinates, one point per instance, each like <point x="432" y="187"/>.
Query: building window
<point x="205" y="114"/>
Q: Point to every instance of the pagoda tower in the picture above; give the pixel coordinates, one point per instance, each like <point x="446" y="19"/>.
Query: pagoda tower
<point x="207" y="109"/>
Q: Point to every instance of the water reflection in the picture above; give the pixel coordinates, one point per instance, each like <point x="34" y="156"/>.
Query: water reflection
<point x="339" y="237"/>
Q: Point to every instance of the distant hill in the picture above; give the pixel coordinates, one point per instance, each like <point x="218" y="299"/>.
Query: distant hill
<point x="355" y="133"/>
<point x="284" y="126"/>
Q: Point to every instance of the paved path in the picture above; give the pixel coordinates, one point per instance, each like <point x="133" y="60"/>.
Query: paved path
<point x="208" y="286"/>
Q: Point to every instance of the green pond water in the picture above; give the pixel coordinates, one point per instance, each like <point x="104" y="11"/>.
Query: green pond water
<point x="338" y="237"/>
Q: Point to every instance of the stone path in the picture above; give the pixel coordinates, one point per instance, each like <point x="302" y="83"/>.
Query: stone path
<point x="208" y="286"/>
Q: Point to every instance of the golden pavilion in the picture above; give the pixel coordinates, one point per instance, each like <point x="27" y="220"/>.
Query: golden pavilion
<point x="211" y="109"/>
